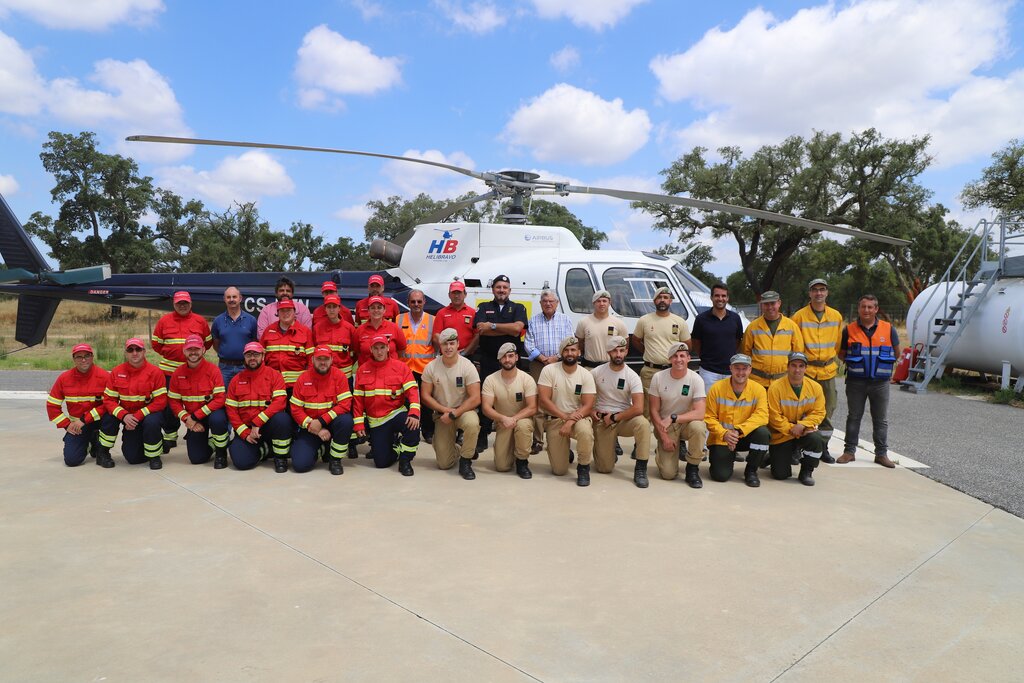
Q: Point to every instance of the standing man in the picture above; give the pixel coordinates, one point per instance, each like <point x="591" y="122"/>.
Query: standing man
<point x="378" y="326"/>
<point x="796" y="406"/>
<point x="418" y="329"/>
<point x="196" y="396"/>
<point x="869" y="348"/>
<point x="543" y="334"/>
<point x="81" y="388"/>
<point x="288" y="343"/>
<point x="821" y="328"/>
<point x="655" y="334"/>
<point x="321" y="405"/>
<point x="386" y="408"/>
<point x="509" y="398"/>
<point x="330" y="288"/>
<point x="678" y="405"/>
<point x="566" y="393"/>
<point x="619" y="411"/>
<point x="375" y="288"/>
<point x="231" y="331"/>
<point x="337" y="334"/>
<point x="498" y="321"/>
<point x="257" y="408"/>
<point x="458" y="316"/>
<point x="769" y="340"/>
<point x="717" y="333"/>
<point x="284" y="289"/>
<point x="168" y="340"/>
<point x="451" y="389"/>
<point x="135" y="397"/>
<point x="737" y="420"/>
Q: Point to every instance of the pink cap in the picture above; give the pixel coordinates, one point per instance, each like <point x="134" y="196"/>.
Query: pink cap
<point x="379" y="339"/>
<point x="332" y="299"/>
<point x="329" y="286"/>
<point x="254" y="346"/>
<point x="194" y="341"/>
<point x="284" y="304"/>
<point x="375" y="300"/>
<point x="78" y="348"/>
<point x="457" y="286"/>
<point x="182" y="296"/>
<point x="134" y="341"/>
<point x="376" y="279"/>
<point x="322" y="351"/>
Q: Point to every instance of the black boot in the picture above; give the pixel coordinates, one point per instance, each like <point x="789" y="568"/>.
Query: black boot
<point x="103" y="458"/>
<point x="618" y="448"/>
<point x="806" y="475"/>
<point x="640" y="474"/>
<point x="280" y="465"/>
<point x="523" y="469"/>
<point x="827" y="458"/>
<point x="405" y="466"/>
<point x="336" y="466"/>
<point x="466" y="469"/>
<point x="750" y="473"/>
<point x="583" y="475"/>
<point x="220" y="458"/>
<point x="572" y="456"/>
<point x="155" y="463"/>
<point x="692" y="476"/>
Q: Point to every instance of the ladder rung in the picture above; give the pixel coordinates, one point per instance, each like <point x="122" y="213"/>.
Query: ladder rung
<point x="945" y="321"/>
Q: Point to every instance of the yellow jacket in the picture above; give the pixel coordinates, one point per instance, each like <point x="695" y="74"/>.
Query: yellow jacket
<point x="821" y="340"/>
<point x="726" y="411"/>
<point x="770" y="352"/>
<point x="786" y="409"/>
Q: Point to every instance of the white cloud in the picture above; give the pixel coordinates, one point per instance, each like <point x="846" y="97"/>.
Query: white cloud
<point x="91" y="15"/>
<point x="905" y="67"/>
<point x="410" y="179"/>
<point x="477" y="17"/>
<point x="593" y="14"/>
<point x="22" y="89"/>
<point x="8" y="185"/>
<point x="357" y="214"/>
<point x="368" y="9"/>
<point x="329" y="63"/>
<point x="244" y="178"/>
<point x="569" y="124"/>
<point x="566" y="59"/>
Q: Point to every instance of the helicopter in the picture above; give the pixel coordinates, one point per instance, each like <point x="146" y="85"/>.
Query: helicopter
<point x="429" y="257"/>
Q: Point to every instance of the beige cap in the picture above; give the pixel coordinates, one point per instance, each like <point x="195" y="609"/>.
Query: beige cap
<point x="615" y="342"/>
<point x="663" y="290"/>
<point x="448" y="334"/>
<point x="507" y="347"/>
<point x="677" y="347"/>
<point x="568" y="341"/>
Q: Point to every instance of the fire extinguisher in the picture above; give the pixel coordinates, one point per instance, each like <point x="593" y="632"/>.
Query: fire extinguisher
<point x="907" y="360"/>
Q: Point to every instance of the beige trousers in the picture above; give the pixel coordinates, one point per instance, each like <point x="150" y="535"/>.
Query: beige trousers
<point x="558" y="445"/>
<point x="512" y="444"/>
<point x="538" y="418"/>
<point x="646" y="374"/>
<point x="604" y="441"/>
<point x="445" y="448"/>
<point x="695" y="434"/>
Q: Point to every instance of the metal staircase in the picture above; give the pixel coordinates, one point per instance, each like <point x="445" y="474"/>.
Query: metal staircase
<point x="969" y="291"/>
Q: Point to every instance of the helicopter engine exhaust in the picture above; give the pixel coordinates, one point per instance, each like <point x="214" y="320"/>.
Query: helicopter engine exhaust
<point x="388" y="252"/>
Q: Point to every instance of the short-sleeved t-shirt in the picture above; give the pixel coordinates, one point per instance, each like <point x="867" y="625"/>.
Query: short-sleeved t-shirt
<point x="719" y="339"/>
<point x="615" y="389"/>
<point x="676" y="395"/>
<point x="450" y="384"/>
<point x="595" y="334"/>
<point x="461" y="321"/>
<point x="567" y="389"/>
<point x="509" y="397"/>
<point x="659" y="333"/>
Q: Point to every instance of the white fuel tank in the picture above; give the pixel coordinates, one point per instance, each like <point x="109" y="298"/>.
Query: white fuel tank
<point x="994" y="334"/>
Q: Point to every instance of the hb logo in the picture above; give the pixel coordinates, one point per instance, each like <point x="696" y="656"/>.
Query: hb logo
<point x="445" y="245"/>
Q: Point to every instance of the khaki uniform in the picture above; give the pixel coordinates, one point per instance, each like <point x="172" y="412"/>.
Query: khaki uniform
<point x="509" y="399"/>
<point x="659" y="334"/>
<point x="449" y="388"/>
<point x="595" y="334"/>
<point x="677" y="397"/>
<point x="566" y="393"/>
<point x="614" y="395"/>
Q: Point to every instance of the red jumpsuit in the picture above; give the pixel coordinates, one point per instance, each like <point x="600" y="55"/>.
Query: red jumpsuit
<point x="382" y="392"/>
<point x="288" y="351"/>
<point x="199" y="392"/>
<point x="142" y="393"/>
<point x="83" y="393"/>
<point x="169" y="336"/>
<point x="365" y="334"/>
<point x="340" y="338"/>
<point x="362" y="312"/>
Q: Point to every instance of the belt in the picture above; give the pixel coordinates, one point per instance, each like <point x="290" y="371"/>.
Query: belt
<point x="822" y="363"/>
<point x="228" y="361"/>
<point x="588" y="363"/>
<point x="655" y="365"/>
<point x="767" y="375"/>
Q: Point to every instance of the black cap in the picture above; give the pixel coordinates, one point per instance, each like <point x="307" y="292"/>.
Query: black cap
<point x="500" y="278"/>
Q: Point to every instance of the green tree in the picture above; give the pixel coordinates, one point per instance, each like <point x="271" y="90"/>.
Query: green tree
<point x="346" y="254"/>
<point x="394" y="216"/>
<point x="1001" y="185"/>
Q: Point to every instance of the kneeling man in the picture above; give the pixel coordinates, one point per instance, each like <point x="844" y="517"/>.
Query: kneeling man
<point x="451" y="388"/>
<point x="677" y="410"/>
<point x="509" y="398"/>
<point x="567" y="395"/>
<point x="619" y="410"/>
<point x="796" y="406"/>
<point x="737" y="419"/>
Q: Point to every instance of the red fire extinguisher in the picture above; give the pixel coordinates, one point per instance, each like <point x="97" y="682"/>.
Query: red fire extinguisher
<point x="907" y="360"/>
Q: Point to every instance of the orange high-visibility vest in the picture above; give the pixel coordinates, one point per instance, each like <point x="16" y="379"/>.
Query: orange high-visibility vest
<point x="419" y="350"/>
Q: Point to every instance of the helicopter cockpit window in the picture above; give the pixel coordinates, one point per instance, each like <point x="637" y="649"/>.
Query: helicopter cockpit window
<point x="632" y="291"/>
<point x="579" y="290"/>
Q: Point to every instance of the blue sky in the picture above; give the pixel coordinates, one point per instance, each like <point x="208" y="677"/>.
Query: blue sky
<point x="599" y="92"/>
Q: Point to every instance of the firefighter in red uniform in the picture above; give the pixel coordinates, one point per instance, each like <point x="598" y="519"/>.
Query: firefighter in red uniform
<point x="321" y="405"/>
<point x="81" y="388"/>
<point x="336" y="333"/>
<point x="375" y="287"/>
<point x="196" y="395"/>
<point x="378" y="326"/>
<point x="386" y="404"/>
<point x="168" y="340"/>
<point x="288" y="343"/>
<point x="327" y="289"/>
<point x="135" y="397"/>
<point x="257" y="405"/>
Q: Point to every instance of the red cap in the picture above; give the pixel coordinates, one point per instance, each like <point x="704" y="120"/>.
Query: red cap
<point x="329" y="286"/>
<point x="194" y="341"/>
<point x="332" y="299"/>
<point x="375" y="300"/>
<point x="322" y="351"/>
<point x="285" y="304"/>
<point x="379" y="339"/>
<point x="457" y="286"/>
<point x="182" y="296"/>
<point x="134" y="341"/>
<point x="254" y="346"/>
<point x="378" y="279"/>
<point x="78" y="348"/>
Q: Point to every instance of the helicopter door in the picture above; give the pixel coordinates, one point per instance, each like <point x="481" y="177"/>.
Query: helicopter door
<point x="576" y="288"/>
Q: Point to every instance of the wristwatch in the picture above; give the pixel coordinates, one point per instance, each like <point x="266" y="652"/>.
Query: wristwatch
<point x="493" y="326"/>
<point x="673" y="416"/>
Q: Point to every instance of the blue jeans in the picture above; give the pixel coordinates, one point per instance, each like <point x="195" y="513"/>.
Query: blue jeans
<point x="229" y="370"/>
<point x="876" y="393"/>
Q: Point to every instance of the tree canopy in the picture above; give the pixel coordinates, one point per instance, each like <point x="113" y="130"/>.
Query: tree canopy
<point x="1001" y="185"/>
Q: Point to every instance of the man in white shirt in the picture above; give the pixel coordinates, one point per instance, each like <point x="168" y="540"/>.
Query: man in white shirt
<point x="451" y="388"/>
<point x="618" y="411"/>
<point x="678" y="400"/>
<point x="567" y="393"/>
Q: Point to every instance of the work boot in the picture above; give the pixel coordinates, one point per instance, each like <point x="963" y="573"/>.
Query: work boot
<point x="583" y="475"/>
<point x="632" y="454"/>
<point x="845" y="458"/>
<point x="692" y="476"/>
<point x="103" y="458"/>
<point x="220" y="458"/>
<point x="523" y="469"/>
<point x="572" y="456"/>
<point x="805" y="477"/>
<point x="618" y="448"/>
<point x="536" y="448"/>
<point x="827" y="459"/>
<point x="155" y="463"/>
<point x="794" y="459"/>
<point x="168" y="445"/>
<point x="280" y="465"/>
<point x="466" y="469"/>
<point x="481" y="445"/>
<point x="405" y="466"/>
<point x="750" y="475"/>
<point x="640" y="474"/>
<point x="884" y="461"/>
<point x="336" y="466"/>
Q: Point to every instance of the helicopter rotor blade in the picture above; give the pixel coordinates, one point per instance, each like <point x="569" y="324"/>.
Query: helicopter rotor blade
<point x="706" y="205"/>
<point x="449" y="209"/>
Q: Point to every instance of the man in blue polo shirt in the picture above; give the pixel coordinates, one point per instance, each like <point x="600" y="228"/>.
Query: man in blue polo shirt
<point x="716" y="336"/>
<point x="231" y="331"/>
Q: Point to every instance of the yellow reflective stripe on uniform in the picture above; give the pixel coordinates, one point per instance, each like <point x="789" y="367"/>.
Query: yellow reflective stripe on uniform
<point x="769" y="332"/>
<point x="409" y="385"/>
<point x="72" y="399"/>
<point x="60" y="418"/>
<point x="53" y="400"/>
<point x="291" y="376"/>
<point x="95" y="414"/>
<point x="817" y="325"/>
<point x="219" y="390"/>
<point x="736" y="402"/>
<point x="378" y="421"/>
<point x="819" y="345"/>
<point x="190" y="399"/>
<point x="145" y="411"/>
<point x="263" y="417"/>
<point x="770" y="352"/>
<point x="245" y="404"/>
<point x="279" y="392"/>
<point x="111" y="393"/>
<point x="790" y="403"/>
<point x="157" y="339"/>
<point x="159" y="392"/>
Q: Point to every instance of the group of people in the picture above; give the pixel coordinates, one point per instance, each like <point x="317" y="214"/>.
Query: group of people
<point x="303" y="386"/>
